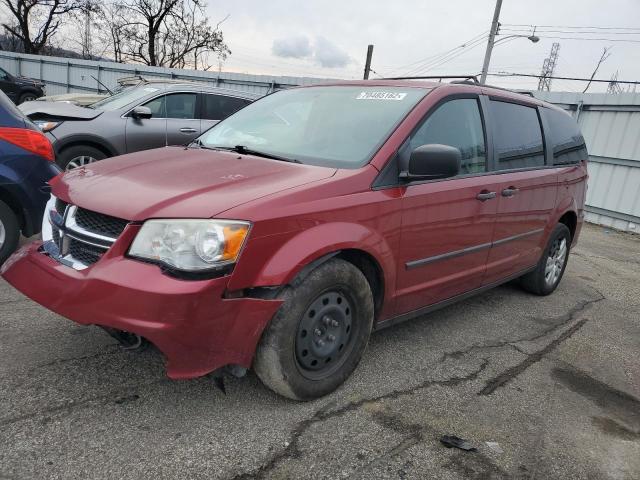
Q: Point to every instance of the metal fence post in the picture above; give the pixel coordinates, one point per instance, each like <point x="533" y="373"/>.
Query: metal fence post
<point x="68" y="76"/>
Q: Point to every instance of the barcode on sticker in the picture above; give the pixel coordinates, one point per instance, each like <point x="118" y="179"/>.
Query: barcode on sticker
<point x="381" y="96"/>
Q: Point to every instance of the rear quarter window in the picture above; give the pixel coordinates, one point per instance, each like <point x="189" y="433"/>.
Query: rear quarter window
<point x="517" y="136"/>
<point x="567" y="142"/>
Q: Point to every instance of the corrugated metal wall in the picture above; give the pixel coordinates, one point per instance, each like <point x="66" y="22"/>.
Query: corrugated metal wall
<point x="611" y="127"/>
<point x="74" y="75"/>
<point x="610" y="123"/>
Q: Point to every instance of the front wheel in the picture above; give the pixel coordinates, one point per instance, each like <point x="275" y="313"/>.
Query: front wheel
<point x="79" y="156"/>
<point x="318" y="336"/>
<point x="548" y="273"/>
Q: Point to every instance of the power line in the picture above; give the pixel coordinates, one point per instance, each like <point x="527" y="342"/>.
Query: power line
<point x="509" y="74"/>
<point x="566" y="26"/>
<point x="574" y="32"/>
<point x="446" y="58"/>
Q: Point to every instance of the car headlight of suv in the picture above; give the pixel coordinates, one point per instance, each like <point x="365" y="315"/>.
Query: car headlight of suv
<point x="45" y="125"/>
<point x="191" y="245"/>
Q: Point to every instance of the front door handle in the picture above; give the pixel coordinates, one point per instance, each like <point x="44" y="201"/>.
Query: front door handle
<point x="188" y="130"/>
<point x="510" y="192"/>
<point x="485" y="195"/>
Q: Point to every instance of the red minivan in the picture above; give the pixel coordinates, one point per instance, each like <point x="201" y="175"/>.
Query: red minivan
<point x="283" y="235"/>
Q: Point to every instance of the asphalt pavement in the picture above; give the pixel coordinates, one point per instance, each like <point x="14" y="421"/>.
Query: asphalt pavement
<point x="552" y="383"/>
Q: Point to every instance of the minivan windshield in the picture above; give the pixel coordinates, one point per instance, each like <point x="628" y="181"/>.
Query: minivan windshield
<point x="124" y="98"/>
<point x="333" y="126"/>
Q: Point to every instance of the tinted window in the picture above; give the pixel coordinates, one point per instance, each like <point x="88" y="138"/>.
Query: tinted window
<point x="518" y="137"/>
<point x="218" y="107"/>
<point x="3" y="75"/>
<point x="175" y="105"/>
<point x="567" y="141"/>
<point x="456" y="123"/>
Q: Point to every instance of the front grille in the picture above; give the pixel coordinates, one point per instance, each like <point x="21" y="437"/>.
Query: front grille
<point x="84" y="252"/>
<point x="55" y="233"/>
<point x="99" y="223"/>
<point x="60" y="206"/>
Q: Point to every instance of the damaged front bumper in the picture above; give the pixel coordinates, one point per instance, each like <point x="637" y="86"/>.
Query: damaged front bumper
<point x="191" y="322"/>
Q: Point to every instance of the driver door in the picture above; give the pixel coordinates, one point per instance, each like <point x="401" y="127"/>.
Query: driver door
<point x="447" y="225"/>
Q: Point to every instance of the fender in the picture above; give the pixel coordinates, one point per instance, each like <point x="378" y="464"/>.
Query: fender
<point x="307" y="246"/>
<point x="60" y="145"/>
<point x="567" y="204"/>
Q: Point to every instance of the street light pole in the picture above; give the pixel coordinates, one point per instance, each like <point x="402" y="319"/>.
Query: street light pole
<point x="492" y="36"/>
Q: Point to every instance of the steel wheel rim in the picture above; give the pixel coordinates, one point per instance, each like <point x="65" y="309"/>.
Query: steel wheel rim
<point x="3" y="234"/>
<point x="325" y="334"/>
<point x="555" y="261"/>
<point x="80" y="161"/>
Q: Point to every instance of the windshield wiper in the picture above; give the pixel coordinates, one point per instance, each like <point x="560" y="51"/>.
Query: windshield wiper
<point x="241" y="149"/>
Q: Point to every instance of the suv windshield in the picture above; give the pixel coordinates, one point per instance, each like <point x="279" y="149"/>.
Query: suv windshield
<point x="339" y="126"/>
<point x="124" y="98"/>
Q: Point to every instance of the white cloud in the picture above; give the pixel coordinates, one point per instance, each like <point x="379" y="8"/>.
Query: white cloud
<point x="329" y="55"/>
<point x="297" y="46"/>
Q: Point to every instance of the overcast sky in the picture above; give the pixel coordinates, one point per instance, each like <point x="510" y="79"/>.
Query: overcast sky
<point x="328" y="38"/>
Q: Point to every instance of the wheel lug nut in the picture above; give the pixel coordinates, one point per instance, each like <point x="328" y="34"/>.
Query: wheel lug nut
<point x="326" y="320"/>
<point x="318" y="332"/>
<point x="320" y="342"/>
<point x="334" y="323"/>
<point x="331" y="338"/>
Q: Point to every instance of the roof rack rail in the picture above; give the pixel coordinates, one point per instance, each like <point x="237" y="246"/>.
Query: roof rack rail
<point x="463" y="78"/>
<point x="521" y="92"/>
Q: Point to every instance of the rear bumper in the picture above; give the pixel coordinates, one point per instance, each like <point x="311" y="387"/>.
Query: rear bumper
<point x="197" y="330"/>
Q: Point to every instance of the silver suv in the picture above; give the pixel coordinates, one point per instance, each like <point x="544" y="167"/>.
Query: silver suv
<point x="139" y="118"/>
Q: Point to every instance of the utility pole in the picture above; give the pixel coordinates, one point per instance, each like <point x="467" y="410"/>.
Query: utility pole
<point x="495" y="25"/>
<point x="367" y="64"/>
<point x="548" y="66"/>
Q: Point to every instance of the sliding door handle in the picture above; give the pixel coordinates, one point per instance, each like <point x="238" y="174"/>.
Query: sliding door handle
<point x="485" y="195"/>
<point x="510" y="192"/>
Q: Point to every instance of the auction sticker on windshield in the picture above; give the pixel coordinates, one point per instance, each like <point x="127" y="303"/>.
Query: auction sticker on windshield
<point x="380" y="96"/>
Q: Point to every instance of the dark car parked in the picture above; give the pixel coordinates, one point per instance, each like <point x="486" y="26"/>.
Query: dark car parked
<point x="26" y="165"/>
<point x="20" y="89"/>
<point x="294" y="227"/>
<point x="138" y="118"/>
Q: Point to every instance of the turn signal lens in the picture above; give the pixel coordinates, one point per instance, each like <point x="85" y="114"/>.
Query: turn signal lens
<point x="30" y="140"/>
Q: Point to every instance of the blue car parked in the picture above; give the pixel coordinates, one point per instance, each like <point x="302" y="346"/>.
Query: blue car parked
<point x="27" y="163"/>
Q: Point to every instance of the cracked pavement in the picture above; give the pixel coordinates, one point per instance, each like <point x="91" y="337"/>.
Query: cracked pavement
<point x="555" y="381"/>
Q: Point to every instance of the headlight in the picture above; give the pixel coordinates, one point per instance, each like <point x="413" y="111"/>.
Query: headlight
<point x="190" y="245"/>
<point x="46" y="126"/>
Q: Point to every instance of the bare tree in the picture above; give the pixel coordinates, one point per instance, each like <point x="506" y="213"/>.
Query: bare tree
<point x="34" y="22"/>
<point x="603" y="57"/>
<point x="169" y="33"/>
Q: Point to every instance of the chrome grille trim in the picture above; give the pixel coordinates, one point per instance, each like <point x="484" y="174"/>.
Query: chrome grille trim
<point x="60" y="229"/>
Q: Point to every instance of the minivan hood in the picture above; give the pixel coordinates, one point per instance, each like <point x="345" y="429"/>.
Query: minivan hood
<point x="176" y="182"/>
<point x="58" y="110"/>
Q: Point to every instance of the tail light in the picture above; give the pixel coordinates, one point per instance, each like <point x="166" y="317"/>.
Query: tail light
<point x="31" y="140"/>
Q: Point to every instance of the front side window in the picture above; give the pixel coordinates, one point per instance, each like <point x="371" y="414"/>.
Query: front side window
<point x="456" y="123"/>
<point x="333" y="126"/>
<point x="567" y="141"/>
<point x="3" y="75"/>
<point x="517" y="136"/>
<point x="175" y="105"/>
<point x="217" y="107"/>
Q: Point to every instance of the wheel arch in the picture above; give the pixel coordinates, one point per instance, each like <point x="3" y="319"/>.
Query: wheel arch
<point x="88" y="140"/>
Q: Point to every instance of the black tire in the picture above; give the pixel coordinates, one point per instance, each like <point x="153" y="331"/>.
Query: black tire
<point x="27" y="97"/>
<point x="77" y="151"/>
<point x="10" y="230"/>
<point x="537" y="281"/>
<point x="349" y="309"/>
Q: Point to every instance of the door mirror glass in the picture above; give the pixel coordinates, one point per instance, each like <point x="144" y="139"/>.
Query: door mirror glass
<point x="433" y="161"/>
<point x="141" y="112"/>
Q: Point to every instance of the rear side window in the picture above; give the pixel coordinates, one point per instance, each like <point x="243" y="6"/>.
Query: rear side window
<point x="219" y="107"/>
<point x="566" y="139"/>
<point x="456" y="123"/>
<point x="518" y="137"/>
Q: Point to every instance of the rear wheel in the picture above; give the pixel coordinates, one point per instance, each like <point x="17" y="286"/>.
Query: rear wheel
<point x="9" y="232"/>
<point x="318" y="336"/>
<point x="548" y="273"/>
<point x="79" y="156"/>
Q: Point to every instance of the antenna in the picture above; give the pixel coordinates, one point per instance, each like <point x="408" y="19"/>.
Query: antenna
<point x="548" y="66"/>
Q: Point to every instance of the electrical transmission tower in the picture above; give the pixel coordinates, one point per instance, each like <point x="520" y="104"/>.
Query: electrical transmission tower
<point x="614" y="87"/>
<point x="548" y="66"/>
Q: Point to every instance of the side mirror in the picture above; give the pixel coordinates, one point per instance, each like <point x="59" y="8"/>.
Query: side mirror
<point x="141" y="112"/>
<point x="433" y="161"/>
